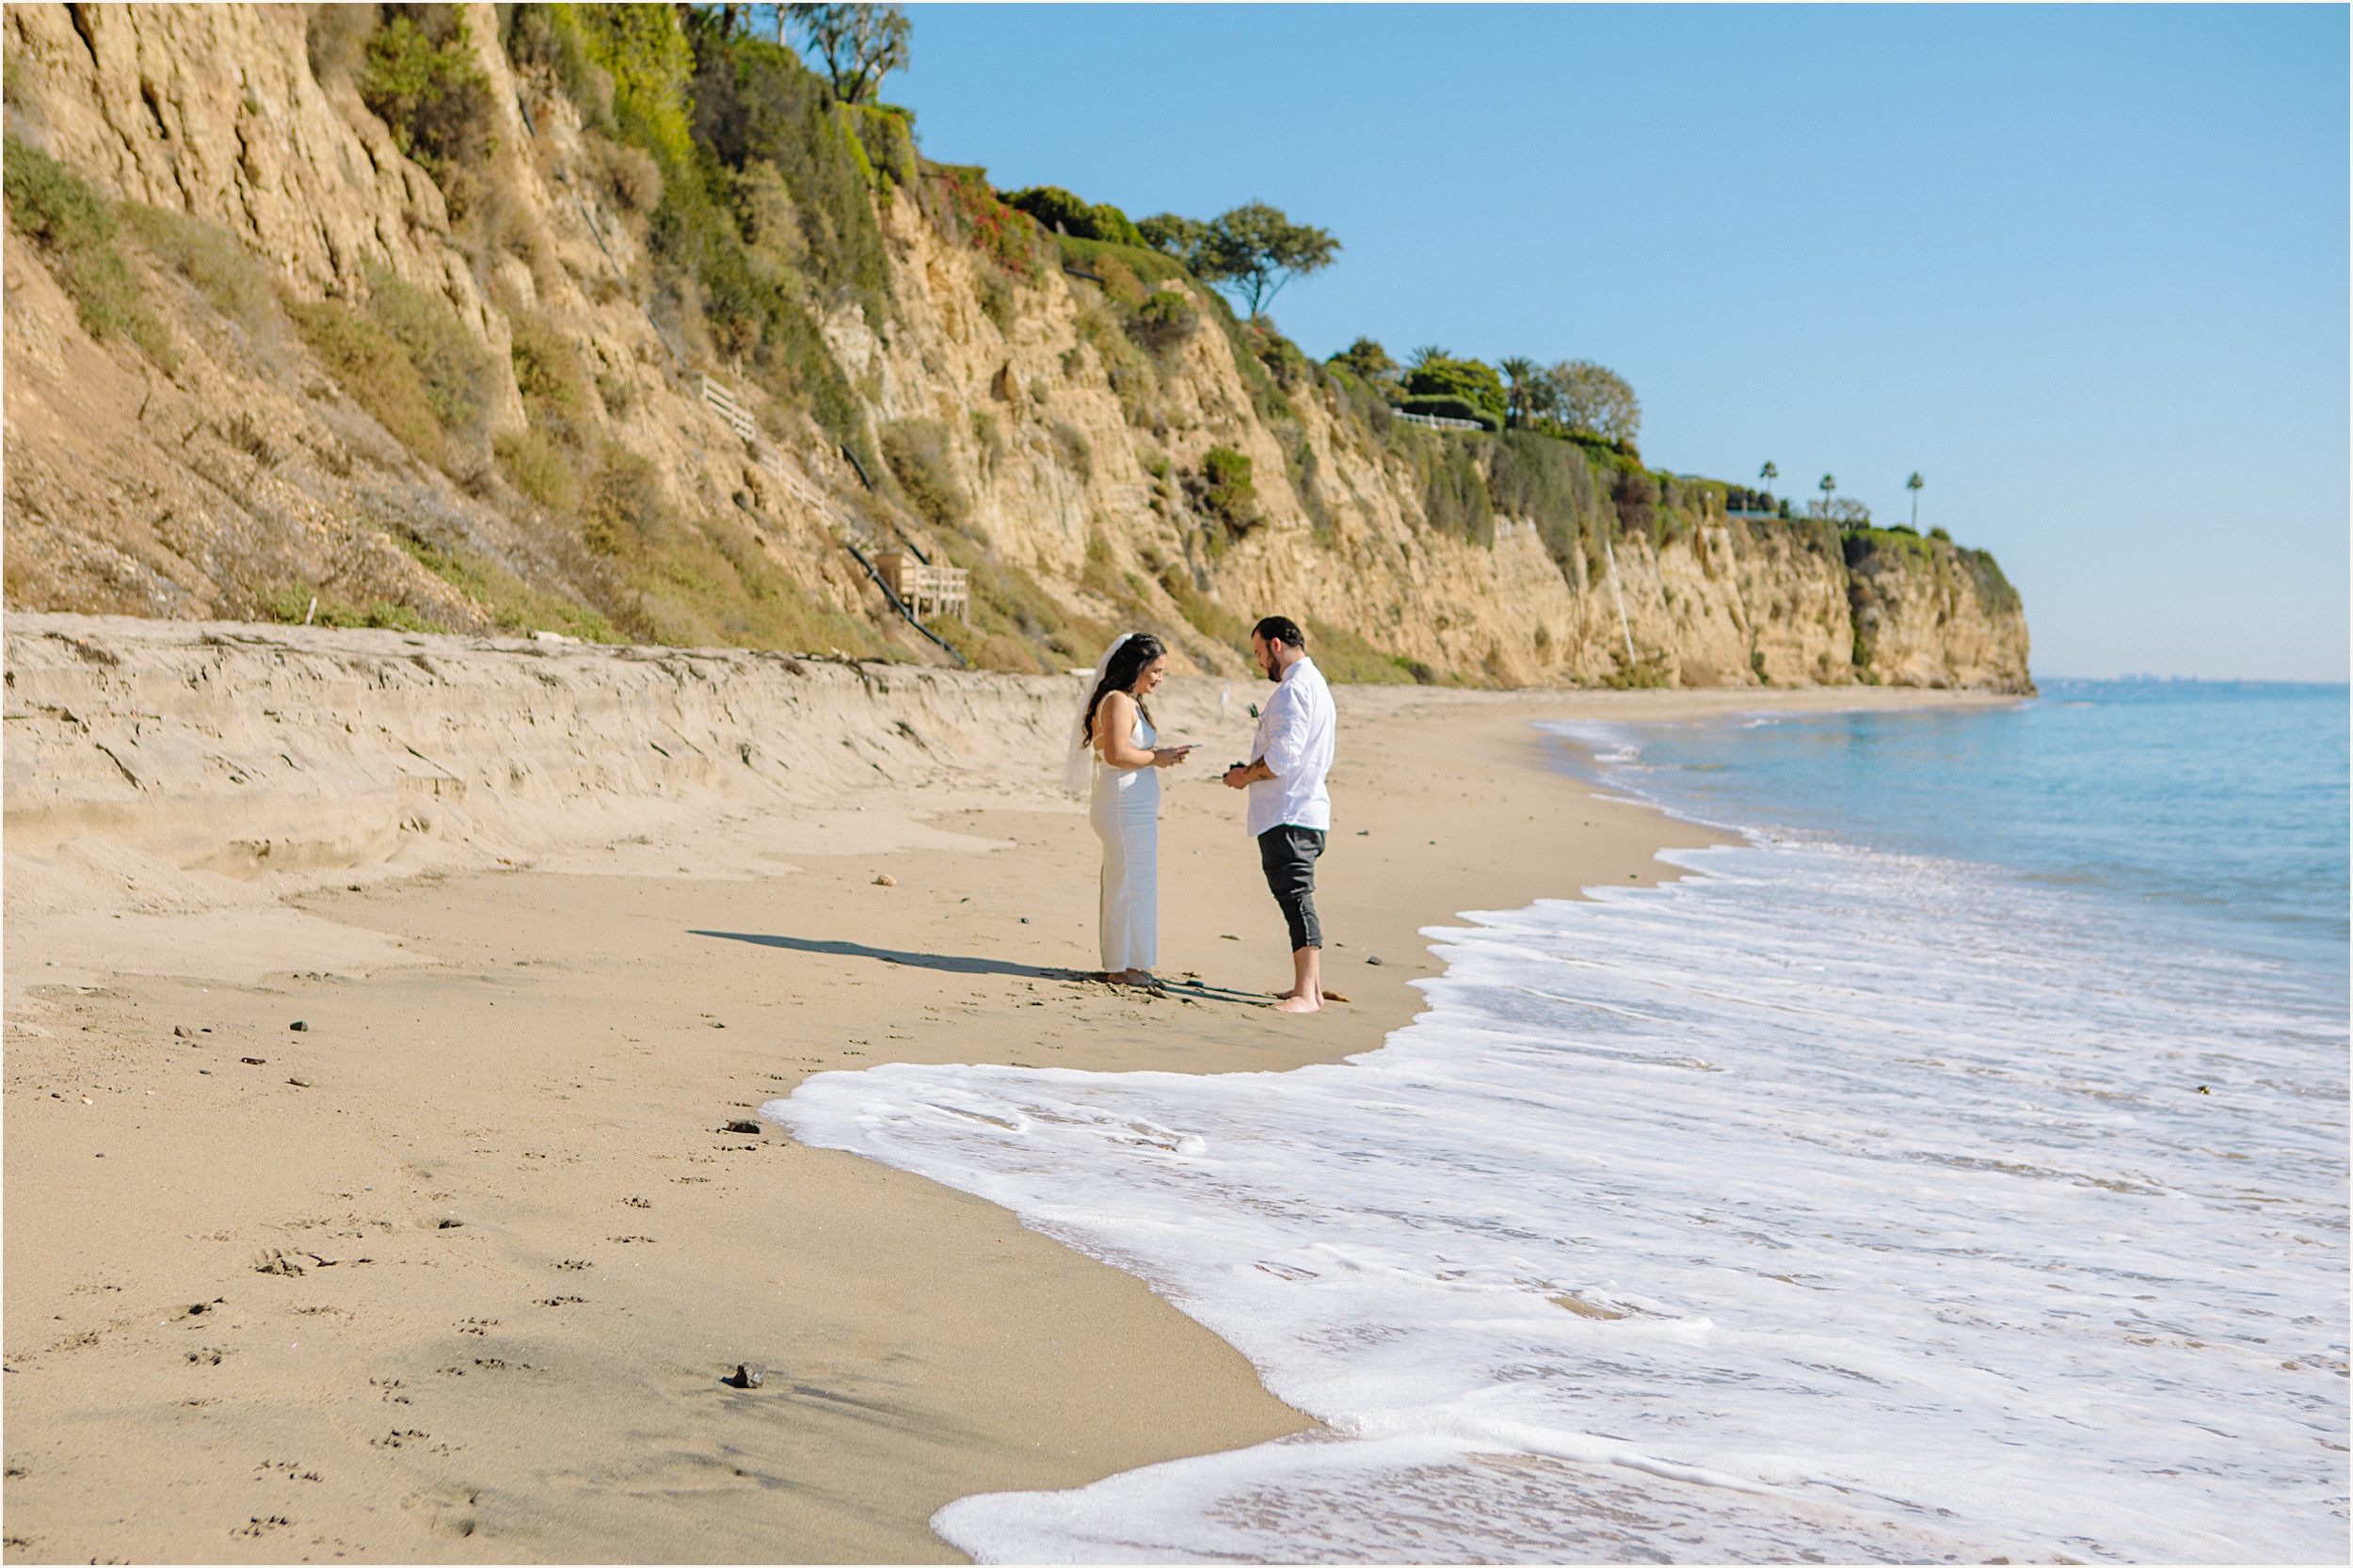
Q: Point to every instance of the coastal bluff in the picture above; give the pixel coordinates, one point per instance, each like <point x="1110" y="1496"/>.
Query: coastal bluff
<point x="481" y="397"/>
<point x="242" y="750"/>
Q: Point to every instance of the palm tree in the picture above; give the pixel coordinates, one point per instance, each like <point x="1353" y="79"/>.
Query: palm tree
<point x="1766" y="474"/>
<point x="1916" y="484"/>
<point x="1522" y="373"/>
<point x="1426" y="353"/>
<point x="1829" y="484"/>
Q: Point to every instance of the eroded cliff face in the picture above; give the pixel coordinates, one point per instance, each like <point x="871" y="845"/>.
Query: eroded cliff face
<point x="1011" y="420"/>
<point x="1928" y="613"/>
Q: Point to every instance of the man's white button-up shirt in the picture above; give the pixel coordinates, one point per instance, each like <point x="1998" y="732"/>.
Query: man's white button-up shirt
<point x="1294" y="738"/>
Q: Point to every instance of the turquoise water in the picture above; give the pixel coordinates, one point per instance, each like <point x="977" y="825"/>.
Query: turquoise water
<point x="2215" y="811"/>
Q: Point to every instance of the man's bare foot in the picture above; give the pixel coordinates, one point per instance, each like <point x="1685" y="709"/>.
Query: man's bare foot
<point x="1298" y="1004"/>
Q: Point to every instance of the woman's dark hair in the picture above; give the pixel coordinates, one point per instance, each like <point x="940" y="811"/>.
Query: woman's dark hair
<point x="1120" y="674"/>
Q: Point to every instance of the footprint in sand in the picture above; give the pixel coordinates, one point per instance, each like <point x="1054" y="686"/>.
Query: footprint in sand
<point x="449" y="1510"/>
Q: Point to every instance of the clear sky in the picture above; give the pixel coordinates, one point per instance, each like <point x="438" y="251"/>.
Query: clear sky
<point x="2084" y="268"/>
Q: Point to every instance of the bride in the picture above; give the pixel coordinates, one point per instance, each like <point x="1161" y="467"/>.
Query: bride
<point x="1113" y="748"/>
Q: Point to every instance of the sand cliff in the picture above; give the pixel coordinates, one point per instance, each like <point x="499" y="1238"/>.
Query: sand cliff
<point x="243" y="477"/>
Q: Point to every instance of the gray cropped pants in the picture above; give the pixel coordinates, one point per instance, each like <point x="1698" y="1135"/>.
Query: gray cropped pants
<point x="1287" y="853"/>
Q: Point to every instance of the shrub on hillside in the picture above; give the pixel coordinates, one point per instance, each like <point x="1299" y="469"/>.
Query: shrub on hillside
<point x="886" y="140"/>
<point x="372" y="367"/>
<point x="963" y="206"/>
<point x="74" y="226"/>
<point x="294" y="606"/>
<point x="1166" y="318"/>
<point x="421" y="80"/>
<point x="622" y="510"/>
<point x="1546" y="481"/>
<point x="1343" y="655"/>
<point x="1454" y="496"/>
<point x="550" y="376"/>
<point x="1058" y="209"/>
<point x="917" y="450"/>
<point x="548" y="39"/>
<point x="1635" y="494"/>
<point x="644" y="51"/>
<point x="457" y="371"/>
<point x="1224" y="488"/>
<point x="223" y="270"/>
<point x="538" y="468"/>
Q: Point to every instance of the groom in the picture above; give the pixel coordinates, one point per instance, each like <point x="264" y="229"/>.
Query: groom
<point x="1290" y="810"/>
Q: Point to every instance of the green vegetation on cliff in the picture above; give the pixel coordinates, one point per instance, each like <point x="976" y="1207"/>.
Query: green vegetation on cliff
<point x="75" y="225"/>
<point x="769" y="221"/>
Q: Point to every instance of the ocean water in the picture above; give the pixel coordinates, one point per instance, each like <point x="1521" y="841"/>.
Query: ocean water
<point x="1954" y="1168"/>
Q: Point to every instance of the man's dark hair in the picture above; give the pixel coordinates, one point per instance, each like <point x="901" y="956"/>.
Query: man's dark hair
<point x="1281" y="629"/>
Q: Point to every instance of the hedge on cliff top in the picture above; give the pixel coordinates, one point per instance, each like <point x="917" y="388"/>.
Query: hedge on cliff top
<point x="1471" y="381"/>
<point x="1053" y="206"/>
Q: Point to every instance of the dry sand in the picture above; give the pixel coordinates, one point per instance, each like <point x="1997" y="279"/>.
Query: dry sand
<point x="455" y="1271"/>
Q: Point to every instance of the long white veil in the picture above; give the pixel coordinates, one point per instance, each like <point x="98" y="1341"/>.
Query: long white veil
<point x="1078" y="769"/>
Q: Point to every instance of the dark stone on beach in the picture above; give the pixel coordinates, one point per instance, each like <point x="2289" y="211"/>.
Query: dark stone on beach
<point x="299" y="1082"/>
<point x="298" y="1026"/>
<point x="450" y="1224"/>
<point x="254" y="1060"/>
<point x="748" y="1375"/>
<point x="742" y="1126"/>
<point x="181" y="1031"/>
<point x="1372" y="958"/>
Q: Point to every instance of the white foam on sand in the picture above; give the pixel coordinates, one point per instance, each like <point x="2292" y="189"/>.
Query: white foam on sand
<point x="1827" y="1203"/>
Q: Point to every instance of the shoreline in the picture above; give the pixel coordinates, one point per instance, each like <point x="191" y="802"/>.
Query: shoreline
<point x="549" y="1056"/>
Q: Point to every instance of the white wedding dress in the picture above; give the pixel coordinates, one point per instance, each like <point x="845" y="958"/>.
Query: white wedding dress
<point x="1125" y="810"/>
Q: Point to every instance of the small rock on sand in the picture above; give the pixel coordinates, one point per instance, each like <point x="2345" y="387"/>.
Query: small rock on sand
<point x="298" y="1026"/>
<point x="182" y="1031"/>
<point x="749" y="1374"/>
<point x="1372" y="958"/>
<point x="750" y="1127"/>
<point x="885" y="880"/>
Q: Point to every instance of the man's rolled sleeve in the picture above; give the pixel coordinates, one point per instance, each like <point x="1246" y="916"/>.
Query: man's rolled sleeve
<point x="1286" y="741"/>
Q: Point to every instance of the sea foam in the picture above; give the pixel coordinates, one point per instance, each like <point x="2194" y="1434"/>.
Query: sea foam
<point x="1827" y="1202"/>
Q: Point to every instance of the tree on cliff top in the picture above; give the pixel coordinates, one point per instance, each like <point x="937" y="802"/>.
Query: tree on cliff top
<point x="1528" y="390"/>
<point x="860" y="44"/>
<point x="1254" y="249"/>
<point x="1587" y="397"/>
<point x="1367" y="358"/>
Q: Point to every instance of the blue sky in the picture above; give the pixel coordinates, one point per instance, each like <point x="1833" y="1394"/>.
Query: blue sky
<point x="2084" y="268"/>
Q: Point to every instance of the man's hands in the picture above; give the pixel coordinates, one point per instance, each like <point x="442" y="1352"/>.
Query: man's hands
<point x="1243" y="774"/>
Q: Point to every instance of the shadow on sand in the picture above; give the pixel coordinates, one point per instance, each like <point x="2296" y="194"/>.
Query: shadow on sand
<point x="957" y="964"/>
<point x="945" y="962"/>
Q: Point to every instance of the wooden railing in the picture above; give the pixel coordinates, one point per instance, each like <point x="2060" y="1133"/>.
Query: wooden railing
<point x="927" y="589"/>
<point x="722" y="401"/>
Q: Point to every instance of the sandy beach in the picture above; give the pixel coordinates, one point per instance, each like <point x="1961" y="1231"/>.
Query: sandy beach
<point x="402" y="1208"/>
